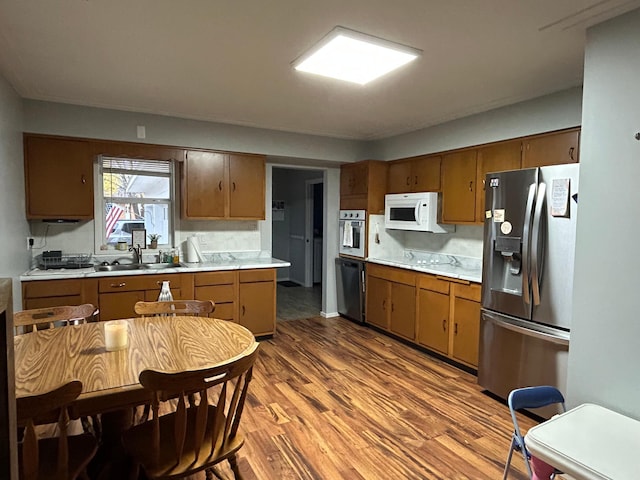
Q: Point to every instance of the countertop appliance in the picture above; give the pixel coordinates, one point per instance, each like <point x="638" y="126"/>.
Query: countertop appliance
<point x="413" y="211"/>
<point x="527" y="278"/>
<point x="350" y="288"/>
<point x="353" y="233"/>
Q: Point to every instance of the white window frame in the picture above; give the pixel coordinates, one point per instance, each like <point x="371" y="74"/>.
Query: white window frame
<point x="99" y="207"/>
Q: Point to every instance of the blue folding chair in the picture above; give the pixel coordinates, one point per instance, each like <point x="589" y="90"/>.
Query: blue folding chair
<point x="528" y="397"/>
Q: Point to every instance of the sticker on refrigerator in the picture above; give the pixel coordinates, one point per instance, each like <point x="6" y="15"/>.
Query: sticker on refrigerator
<point x="506" y="228"/>
<point x="487" y="213"/>
<point x="498" y="215"/>
<point x="560" y="197"/>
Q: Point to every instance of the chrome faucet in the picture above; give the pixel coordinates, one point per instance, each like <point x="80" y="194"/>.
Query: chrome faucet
<point x="137" y="253"/>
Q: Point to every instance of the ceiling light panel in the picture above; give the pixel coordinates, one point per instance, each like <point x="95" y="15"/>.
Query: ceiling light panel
<point x="355" y="57"/>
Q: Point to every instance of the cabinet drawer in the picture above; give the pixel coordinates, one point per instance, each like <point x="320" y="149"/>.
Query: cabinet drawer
<point x="470" y="292"/>
<point x="43" y="302"/>
<point x="397" y="275"/>
<point x="224" y="311"/>
<point x="52" y="288"/>
<point x="217" y="293"/>
<point x="137" y="282"/>
<point x="215" y="278"/>
<point x="258" y="275"/>
<point x="435" y="284"/>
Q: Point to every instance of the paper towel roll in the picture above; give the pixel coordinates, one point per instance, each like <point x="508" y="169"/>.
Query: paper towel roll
<point x="193" y="250"/>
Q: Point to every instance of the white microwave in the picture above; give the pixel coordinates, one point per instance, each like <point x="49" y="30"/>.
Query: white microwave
<point x="414" y="211"/>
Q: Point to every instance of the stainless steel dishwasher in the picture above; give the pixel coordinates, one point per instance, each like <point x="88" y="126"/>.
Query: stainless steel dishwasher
<point x="351" y="288"/>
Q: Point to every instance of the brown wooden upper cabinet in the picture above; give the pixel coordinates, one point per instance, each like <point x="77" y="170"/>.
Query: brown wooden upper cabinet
<point x="494" y="158"/>
<point x="223" y="186"/>
<point x="551" y="149"/>
<point x="363" y="185"/>
<point x="459" y="187"/>
<point x="419" y="174"/>
<point x="58" y="178"/>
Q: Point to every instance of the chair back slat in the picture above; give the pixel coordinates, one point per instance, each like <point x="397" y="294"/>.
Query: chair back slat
<point x="26" y="321"/>
<point x="177" y="307"/>
<point x="202" y="432"/>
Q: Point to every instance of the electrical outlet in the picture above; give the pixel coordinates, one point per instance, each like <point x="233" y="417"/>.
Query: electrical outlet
<point x="29" y="243"/>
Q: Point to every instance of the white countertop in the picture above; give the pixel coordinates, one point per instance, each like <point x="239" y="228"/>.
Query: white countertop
<point x="222" y="264"/>
<point x="588" y="442"/>
<point x="463" y="268"/>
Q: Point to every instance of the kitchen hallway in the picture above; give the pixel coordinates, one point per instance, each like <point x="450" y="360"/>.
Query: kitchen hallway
<point x="295" y="301"/>
<point x="331" y="399"/>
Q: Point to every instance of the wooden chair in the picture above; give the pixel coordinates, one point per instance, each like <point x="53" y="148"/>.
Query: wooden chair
<point x="64" y="457"/>
<point x="200" y="308"/>
<point x="27" y="321"/>
<point x="49" y="317"/>
<point x="196" y="438"/>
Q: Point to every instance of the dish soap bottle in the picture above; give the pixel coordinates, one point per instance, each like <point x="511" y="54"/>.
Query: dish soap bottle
<point x="165" y="292"/>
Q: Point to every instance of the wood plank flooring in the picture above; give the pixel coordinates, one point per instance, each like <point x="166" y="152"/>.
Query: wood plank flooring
<point x="334" y="400"/>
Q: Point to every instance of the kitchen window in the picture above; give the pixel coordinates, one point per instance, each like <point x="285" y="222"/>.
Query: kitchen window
<point x="133" y="194"/>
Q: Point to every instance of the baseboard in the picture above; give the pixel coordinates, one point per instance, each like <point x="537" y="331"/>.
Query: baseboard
<point x="329" y="315"/>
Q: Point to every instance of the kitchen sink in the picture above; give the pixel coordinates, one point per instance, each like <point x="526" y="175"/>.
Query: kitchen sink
<point x="133" y="266"/>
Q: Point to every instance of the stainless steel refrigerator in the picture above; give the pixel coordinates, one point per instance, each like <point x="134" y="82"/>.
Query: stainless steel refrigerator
<point x="527" y="278"/>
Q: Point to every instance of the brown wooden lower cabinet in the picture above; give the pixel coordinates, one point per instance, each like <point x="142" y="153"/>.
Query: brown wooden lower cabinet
<point x="433" y="320"/>
<point x="118" y="295"/>
<point x="54" y="293"/>
<point x="222" y="289"/>
<point x="391" y="300"/>
<point x="257" y="301"/>
<point x="246" y="296"/>
<point x="377" y="299"/>
<point x="438" y="313"/>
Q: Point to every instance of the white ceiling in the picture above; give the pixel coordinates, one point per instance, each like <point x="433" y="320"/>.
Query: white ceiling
<point x="229" y="60"/>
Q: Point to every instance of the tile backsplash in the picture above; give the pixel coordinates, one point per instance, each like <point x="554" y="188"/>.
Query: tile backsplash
<point x="465" y="241"/>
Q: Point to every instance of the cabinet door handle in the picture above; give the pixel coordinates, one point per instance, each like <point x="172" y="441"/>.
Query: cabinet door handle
<point x="571" y="150"/>
<point x="83" y="179"/>
<point x="484" y="185"/>
<point x="416" y="181"/>
<point x="220" y="185"/>
<point x="455" y="328"/>
<point x="444" y="324"/>
<point x="118" y="285"/>
<point x="384" y="304"/>
<point x="234" y="186"/>
<point x="471" y="186"/>
<point x="391" y="307"/>
<point x="243" y="310"/>
<point x="408" y="180"/>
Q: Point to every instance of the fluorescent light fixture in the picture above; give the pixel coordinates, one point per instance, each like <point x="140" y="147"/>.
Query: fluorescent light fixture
<point x="355" y="57"/>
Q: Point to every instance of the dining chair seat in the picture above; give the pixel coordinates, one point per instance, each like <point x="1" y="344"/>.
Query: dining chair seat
<point x="177" y="307"/>
<point x="60" y="458"/>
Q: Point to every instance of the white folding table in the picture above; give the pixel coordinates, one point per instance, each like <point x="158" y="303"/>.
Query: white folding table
<point x="589" y="442"/>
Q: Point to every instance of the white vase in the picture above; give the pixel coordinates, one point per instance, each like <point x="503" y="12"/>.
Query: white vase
<point x="165" y="292"/>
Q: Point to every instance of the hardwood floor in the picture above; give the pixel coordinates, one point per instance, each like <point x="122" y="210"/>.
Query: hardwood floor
<point x="334" y="400"/>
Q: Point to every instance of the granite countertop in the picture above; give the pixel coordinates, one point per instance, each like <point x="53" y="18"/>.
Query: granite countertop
<point x="452" y="266"/>
<point x="219" y="263"/>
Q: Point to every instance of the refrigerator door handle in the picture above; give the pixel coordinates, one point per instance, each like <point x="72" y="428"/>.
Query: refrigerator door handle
<point x="526" y="239"/>
<point x="549" y="337"/>
<point x="535" y="241"/>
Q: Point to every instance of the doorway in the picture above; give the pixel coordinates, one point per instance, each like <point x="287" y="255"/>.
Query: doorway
<point x="297" y="236"/>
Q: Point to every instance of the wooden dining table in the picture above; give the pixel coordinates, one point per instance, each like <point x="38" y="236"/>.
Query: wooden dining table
<point x="47" y="358"/>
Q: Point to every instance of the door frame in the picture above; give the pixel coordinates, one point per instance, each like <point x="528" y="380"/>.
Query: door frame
<point x="308" y="231"/>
